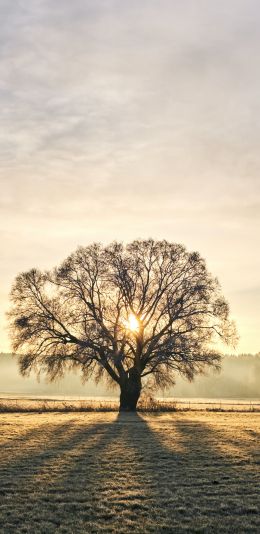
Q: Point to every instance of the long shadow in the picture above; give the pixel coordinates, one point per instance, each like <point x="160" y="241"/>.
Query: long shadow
<point x="131" y="475"/>
<point x="29" y="480"/>
<point x="110" y="491"/>
<point x="32" y="436"/>
<point x="33" y="449"/>
<point x="193" y="483"/>
<point x="228" y="479"/>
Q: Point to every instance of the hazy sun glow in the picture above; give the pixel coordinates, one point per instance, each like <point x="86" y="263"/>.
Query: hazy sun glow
<point x="132" y="323"/>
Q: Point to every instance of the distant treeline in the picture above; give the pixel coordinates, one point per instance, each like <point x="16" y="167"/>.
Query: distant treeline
<point x="239" y="378"/>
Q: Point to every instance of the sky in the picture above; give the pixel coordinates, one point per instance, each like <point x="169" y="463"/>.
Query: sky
<point x="124" y="119"/>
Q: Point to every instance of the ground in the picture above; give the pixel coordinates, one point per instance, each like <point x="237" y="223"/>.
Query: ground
<point x="87" y="473"/>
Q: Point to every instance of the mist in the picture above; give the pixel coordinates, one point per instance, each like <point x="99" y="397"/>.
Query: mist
<point x="238" y="378"/>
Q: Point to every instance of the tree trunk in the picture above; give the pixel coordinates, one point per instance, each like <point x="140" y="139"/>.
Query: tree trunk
<point x="130" y="391"/>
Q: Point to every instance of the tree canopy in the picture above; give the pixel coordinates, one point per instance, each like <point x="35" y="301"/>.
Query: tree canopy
<point x="145" y="310"/>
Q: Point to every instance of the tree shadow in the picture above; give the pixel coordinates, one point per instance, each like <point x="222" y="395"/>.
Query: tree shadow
<point x="131" y="475"/>
<point x="30" y="477"/>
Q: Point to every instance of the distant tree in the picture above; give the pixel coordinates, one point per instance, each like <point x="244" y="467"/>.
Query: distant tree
<point x="147" y="310"/>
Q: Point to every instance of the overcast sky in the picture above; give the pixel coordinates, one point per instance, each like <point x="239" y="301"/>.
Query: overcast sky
<point x="132" y="118"/>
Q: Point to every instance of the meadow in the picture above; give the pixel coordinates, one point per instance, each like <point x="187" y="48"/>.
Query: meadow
<point x="104" y="472"/>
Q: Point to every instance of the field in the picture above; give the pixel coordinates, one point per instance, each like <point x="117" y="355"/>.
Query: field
<point x="100" y="472"/>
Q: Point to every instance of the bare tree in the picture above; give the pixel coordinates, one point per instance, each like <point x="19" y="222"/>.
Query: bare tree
<point x="143" y="311"/>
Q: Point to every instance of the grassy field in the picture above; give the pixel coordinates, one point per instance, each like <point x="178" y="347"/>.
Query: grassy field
<point x="92" y="472"/>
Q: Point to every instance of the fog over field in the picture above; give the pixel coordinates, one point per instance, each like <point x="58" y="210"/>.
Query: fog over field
<point x="239" y="378"/>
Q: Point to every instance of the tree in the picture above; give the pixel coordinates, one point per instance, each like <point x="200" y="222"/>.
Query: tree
<point x="147" y="310"/>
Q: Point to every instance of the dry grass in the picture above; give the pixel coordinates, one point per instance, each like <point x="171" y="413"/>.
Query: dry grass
<point x="89" y="473"/>
<point x="49" y="405"/>
<point x="146" y="404"/>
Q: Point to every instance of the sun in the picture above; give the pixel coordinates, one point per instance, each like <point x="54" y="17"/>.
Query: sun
<point x="132" y="323"/>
